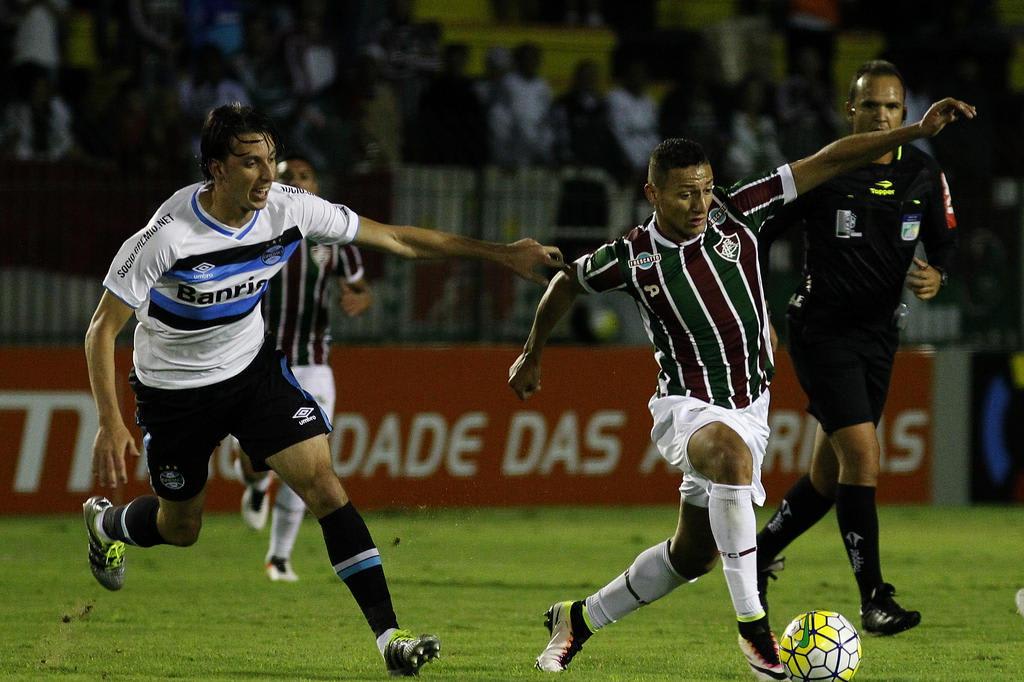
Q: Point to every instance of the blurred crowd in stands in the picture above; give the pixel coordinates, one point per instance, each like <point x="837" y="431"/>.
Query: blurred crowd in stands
<point x="360" y="85"/>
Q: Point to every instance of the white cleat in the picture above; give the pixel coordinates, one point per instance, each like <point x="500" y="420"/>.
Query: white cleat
<point x="564" y="644"/>
<point x="254" y="508"/>
<point x="280" y="570"/>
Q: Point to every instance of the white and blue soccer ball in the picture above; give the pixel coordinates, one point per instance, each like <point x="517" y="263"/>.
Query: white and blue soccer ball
<point x="820" y="645"/>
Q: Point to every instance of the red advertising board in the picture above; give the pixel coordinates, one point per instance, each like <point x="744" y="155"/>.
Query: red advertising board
<point x="439" y="427"/>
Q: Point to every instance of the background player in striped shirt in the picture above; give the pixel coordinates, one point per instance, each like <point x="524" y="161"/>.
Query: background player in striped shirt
<point x="202" y="370"/>
<point x="693" y="271"/>
<point x="297" y="311"/>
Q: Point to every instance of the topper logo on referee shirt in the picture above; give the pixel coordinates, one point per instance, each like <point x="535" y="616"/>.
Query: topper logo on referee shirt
<point x="644" y="260"/>
<point x="304" y="415"/>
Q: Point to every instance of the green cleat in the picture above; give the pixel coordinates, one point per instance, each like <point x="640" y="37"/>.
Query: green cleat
<point x="106" y="559"/>
<point x="406" y="653"/>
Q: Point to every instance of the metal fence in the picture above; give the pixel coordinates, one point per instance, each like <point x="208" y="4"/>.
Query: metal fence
<point x="61" y="226"/>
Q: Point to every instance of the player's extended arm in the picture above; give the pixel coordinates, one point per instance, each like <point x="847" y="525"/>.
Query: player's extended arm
<point x="854" y="151"/>
<point x="113" y="439"/>
<point x="524" y="374"/>
<point x="522" y="257"/>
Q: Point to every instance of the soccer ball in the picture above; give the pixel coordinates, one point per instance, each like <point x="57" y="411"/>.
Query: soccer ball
<point x="820" y="645"/>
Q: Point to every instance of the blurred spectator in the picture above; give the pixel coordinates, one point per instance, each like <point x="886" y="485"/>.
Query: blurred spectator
<point x="807" y="118"/>
<point x="37" y="125"/>
<point x="633" y="117"/>
<point x="157" y="31"/>
<point x="582" y="132"/>
<point x="214" y="22"/>
<point x="493" y="92"/>
<point x="529" y="102"/>
<point x="695" y="107"/>
<point x="263" y="71"/>
<point x="753" y="143"/>
<point x="812" y="25"/>
<point x="209" y="86"/>
<point x="411" y="56"/>
<point x="452" y="127"/>
<point x="310" y="52"/>
<point x="36" y="39"/>
<point x="373" y="108"/>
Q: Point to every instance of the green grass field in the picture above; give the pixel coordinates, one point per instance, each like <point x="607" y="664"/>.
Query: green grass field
<point x="481" y="579"/>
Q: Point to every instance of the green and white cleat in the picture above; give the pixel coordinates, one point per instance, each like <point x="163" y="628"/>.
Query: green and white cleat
<point x="405" y="653"/>
<point x="106" y="559"/>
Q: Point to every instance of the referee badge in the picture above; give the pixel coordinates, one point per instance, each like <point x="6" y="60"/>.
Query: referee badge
<point x="910" y="227"/>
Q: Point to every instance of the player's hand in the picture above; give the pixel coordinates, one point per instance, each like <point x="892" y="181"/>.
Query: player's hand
<point x="524" y="376"/>
<point x="945" y="111"/>
<point x="112" y="443"/>
<point x="526" y="255"/>
<point x="356" y="297"/>
<point x="923" y="280"/>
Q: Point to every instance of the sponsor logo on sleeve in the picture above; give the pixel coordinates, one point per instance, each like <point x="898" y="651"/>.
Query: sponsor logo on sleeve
<point x="644" y="260"/>
<point x="272" y="254"/>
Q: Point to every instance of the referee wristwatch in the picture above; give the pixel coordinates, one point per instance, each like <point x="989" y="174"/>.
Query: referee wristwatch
<point x="943" y="276"/>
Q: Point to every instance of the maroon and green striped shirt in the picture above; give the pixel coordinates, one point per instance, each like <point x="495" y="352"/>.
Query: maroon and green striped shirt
<point x="702" y="301"/>
<point x="296" y="307"/>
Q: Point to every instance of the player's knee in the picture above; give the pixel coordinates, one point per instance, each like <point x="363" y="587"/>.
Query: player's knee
<point x="323" y="493"/>
<point x="690" y="563"/>
<point x="722" y="456"/>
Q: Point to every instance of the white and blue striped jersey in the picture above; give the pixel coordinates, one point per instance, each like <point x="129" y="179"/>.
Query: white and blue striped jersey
<point x="196" y="284"/>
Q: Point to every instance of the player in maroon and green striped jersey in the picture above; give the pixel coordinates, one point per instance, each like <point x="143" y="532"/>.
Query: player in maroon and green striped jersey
<point x="297" y="311"/>
<point x="692" y="270"/>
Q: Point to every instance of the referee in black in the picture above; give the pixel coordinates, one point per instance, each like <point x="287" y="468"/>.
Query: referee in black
<point x="860" y="234"/>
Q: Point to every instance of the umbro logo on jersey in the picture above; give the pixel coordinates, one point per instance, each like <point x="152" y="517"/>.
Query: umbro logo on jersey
<point x="728" y="247"/>
<point x="644" y="260"/>
<point x="305" y="415"/>
<point x="202" y="271"/>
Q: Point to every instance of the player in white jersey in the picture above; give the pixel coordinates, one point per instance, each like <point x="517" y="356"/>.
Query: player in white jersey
<point x="194" y="278"/>
<point x="297" y="312"/>
<point x="693" y="272"/>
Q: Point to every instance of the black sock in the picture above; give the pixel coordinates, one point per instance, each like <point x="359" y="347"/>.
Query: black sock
<point x="356" y="561"/>
<point x="579" y="623"/>
<point x="802" y="507"/>
<point x="135" y="522"/>
<point x="858" y="524"/>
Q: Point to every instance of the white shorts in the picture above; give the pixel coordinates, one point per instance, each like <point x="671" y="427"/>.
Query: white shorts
<point x="677" y="418"/>
<point x="318" y="381"/>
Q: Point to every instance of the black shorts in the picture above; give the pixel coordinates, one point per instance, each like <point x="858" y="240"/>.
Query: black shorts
<point x="844" y="371"/>
<point x="263" y="407"/>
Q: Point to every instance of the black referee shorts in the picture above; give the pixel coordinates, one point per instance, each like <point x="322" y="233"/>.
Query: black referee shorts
<point x="844" y="371"/>
<point x="263" y="407"/>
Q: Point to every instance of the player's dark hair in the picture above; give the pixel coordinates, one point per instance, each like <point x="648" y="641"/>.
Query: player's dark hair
<point x="229" y="122"/>
<point x="876" y="67"/>
<point x="675" y="152"/>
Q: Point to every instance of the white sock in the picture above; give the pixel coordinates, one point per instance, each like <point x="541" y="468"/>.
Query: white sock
<point x="649" y="578"/>
<point x="735" y="529"/>
<point x="285" y="523"/>
<point x="262" y="484"/>
<point x="382" y="641"/>
<point x="97" y="525"/>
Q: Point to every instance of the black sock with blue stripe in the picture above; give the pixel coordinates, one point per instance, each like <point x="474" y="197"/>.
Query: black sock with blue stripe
<point x="356" y="561"/>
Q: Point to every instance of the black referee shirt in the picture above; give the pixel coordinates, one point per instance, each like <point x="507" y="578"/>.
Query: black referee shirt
<point x="860" y="231"/>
